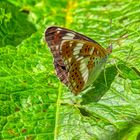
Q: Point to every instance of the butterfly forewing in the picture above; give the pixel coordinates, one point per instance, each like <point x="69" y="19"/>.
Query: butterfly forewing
<point x="54" y="37"/>
<point x="77" y="58"/>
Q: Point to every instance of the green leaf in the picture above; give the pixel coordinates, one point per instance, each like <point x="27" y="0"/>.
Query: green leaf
<point x="35" y="105"/>
<point x="14" y="25"/>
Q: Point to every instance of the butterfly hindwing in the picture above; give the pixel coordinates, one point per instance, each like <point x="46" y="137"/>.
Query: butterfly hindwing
<point x="81" y="59"/>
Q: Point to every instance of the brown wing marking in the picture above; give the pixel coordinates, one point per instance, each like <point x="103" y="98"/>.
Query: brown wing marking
<point x="76" y="82"/>
<point x="92" y="50"/>
<point x="67" y="49"/>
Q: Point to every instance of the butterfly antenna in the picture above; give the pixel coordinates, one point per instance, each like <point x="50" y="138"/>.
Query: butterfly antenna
<point x="109" y="49"/>
<point x="110" y="42"/>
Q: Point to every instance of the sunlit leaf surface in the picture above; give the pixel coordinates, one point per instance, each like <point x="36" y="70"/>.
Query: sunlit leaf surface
<point x="35" y="105"/>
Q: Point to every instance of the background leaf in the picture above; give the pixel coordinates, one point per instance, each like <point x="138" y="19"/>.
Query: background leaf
<point x="35" y="105"/>
<point x="14" y="25"/>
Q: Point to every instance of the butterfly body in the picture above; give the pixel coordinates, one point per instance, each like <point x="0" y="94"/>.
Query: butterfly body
<point x="77" y="58"/>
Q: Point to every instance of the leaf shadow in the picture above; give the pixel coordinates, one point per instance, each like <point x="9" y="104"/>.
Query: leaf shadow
<point x="129" y="127"/>
<point x="100" y="86"/>
<point x="15" y="26"/>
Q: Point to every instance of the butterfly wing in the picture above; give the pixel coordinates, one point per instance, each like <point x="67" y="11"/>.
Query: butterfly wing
<point x="54" y="37"/>
<point x="76" y="57"/>
<point x="83" y="61"/>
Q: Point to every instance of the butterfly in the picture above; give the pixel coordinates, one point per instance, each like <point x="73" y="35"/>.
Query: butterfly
<point x="78" y="60"/>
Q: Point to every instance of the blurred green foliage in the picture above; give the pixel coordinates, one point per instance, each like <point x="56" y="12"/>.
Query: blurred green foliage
<point x="34" y="104"/>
